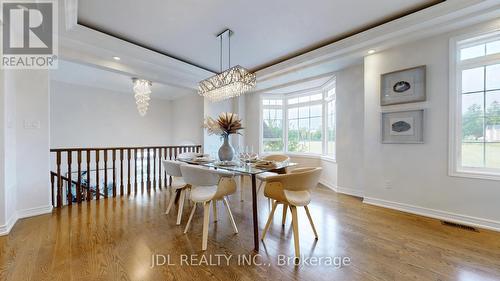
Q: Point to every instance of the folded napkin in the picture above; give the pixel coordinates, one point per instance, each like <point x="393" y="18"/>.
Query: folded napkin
<point x="264" y="164"/>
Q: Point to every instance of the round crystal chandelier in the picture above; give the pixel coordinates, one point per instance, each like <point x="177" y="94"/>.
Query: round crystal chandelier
<point x="230" y="83"/>
<point x="142" y="90"/>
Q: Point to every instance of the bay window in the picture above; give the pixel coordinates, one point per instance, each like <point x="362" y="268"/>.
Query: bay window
<point x="300" y="123"/>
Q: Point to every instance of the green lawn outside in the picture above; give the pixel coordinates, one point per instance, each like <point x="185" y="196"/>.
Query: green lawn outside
<point x="472" y="155"/>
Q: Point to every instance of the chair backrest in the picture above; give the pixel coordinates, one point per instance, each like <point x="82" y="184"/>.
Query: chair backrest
<point x="299" y="179"/>
<point x="172" y="168"/>
<point x="199" y="176"/>
<point x="276" y="157"/>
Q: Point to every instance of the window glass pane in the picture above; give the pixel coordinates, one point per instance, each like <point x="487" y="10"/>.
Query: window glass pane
<point x="317" y="97"/>
<point x="304" y="112"/>
<point x="293" y="101"/>
<point x="472" y="52"/>
<point x="279" y="114"/>
<point x="304" y="125"/>
<point x="472" y="154"/>
<point x="492" y="153"/>
<point x="493" y="103"/>
<point x="279" y="102"/>
<point x="273" y="145"/>
<point x="493" y="77"/>
<point x="473" y="129"/>
<point x="304" y="99"/>
<point x="472" y="105"/>
<point x="265" y="102"/>
<point x="493" y="47"/>
<point x="473" y="80"/>
<point x="331" y="92"/>
<point x="316" y="110"/>
<point x="265" y="114"/>
<point x="293" y="113"/>
<point x="492" y="130"/>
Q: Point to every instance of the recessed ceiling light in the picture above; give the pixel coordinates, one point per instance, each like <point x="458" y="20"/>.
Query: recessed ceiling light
<point x="116" y="58"/>
<point x="371" y="51"/>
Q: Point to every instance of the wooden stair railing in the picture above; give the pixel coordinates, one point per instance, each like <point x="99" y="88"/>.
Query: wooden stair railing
<point x="87" y="178"/>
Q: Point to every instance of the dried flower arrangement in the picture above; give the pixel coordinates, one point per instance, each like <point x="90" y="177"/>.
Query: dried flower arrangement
<point x="226" y="124"/>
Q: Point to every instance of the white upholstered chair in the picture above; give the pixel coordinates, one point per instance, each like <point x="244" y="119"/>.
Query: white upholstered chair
<point x="172" y="168"/>
<point x="292" y="190"/>
<point x="208" y="187"/>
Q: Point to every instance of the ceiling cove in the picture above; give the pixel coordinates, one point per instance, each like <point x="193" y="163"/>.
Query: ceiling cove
<point x="85" y="18"/>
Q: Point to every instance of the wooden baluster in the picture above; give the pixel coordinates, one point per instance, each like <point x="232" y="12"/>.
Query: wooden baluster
<point x="59" y="180"/>
<point x="128" y="171"/>
<point x="52" y="188"/>
<point x="97" y="189"/>
<point x="159" y="167"/>
<point x="135" y="170"/>
<point x="165" y="172"/>
<point x="70" y="183"/>
<point x="113" y="158"/>
<point x="89" y="194"/>
<point x="142" y="170"/>
<point x="79" y="183"/>
<point x="121" y="172"/>
<point x="149" y="170"/>
<point x="105" y="173"/>
<point x="154" y="167"/>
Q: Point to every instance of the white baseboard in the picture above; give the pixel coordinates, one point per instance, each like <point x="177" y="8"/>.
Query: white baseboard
<point x="435" y="214"/>
<point x="31" y="212"/>
<point x="6" y="228"/>
<point x="343" y="190"/>
<point x="26" y="213"/>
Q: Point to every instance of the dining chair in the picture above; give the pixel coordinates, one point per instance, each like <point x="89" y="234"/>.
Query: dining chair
<point x="292" y="190"/>
<point x="273" y="157"/>
<point x="172" y="168"/>
<point x="207" y="187"/>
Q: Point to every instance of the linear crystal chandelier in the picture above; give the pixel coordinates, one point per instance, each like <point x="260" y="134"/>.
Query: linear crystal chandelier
<point x="230" y="83"/>
<point x="142" y="90"/>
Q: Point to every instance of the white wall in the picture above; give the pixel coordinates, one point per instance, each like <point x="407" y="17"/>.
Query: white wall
<point x="414" y="177"/>
<point x="350" y="115"/>
<point x="82" y="116"/>
<point x="32" y="106"/>
<point x="187" y="120"/>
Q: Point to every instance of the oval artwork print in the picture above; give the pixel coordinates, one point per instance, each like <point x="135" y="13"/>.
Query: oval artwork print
<point x="401" y="126"/>
<point x="401" y="86"/>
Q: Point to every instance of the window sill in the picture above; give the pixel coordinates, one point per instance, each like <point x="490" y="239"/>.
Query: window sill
<point x="475" y="174"/>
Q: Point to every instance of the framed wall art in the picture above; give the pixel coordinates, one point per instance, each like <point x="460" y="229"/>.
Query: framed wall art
<point x="403" y="86"/>
<point x="403" y="126"/>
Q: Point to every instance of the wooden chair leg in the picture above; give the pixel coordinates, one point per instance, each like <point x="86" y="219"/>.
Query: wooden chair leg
<point x="285" y="209"/>
<point x="231" y="218"/>
<point x="172" y="200"/>
<point x="269" y="220"/>
<point x="295" y="223"/>
<point x="181" y="206"/>
<point x="311" y="221"/>
<point x="190" y="218"/>
<point x="242" y="184"/>
<point x="214" y="205"/>
<point x="206" y="219"/>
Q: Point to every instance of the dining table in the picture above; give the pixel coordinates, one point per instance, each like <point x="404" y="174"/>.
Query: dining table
<point x="248" y="169"/>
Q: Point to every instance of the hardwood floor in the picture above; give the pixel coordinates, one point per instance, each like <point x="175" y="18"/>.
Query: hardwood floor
<point x="114" y="239"/>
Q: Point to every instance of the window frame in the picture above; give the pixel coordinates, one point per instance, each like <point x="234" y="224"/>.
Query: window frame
<point x="323" y="90"/>
<point x="455" y="100"/>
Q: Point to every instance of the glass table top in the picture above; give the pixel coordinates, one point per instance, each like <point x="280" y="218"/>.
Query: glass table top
<point x="241" y="167"/>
